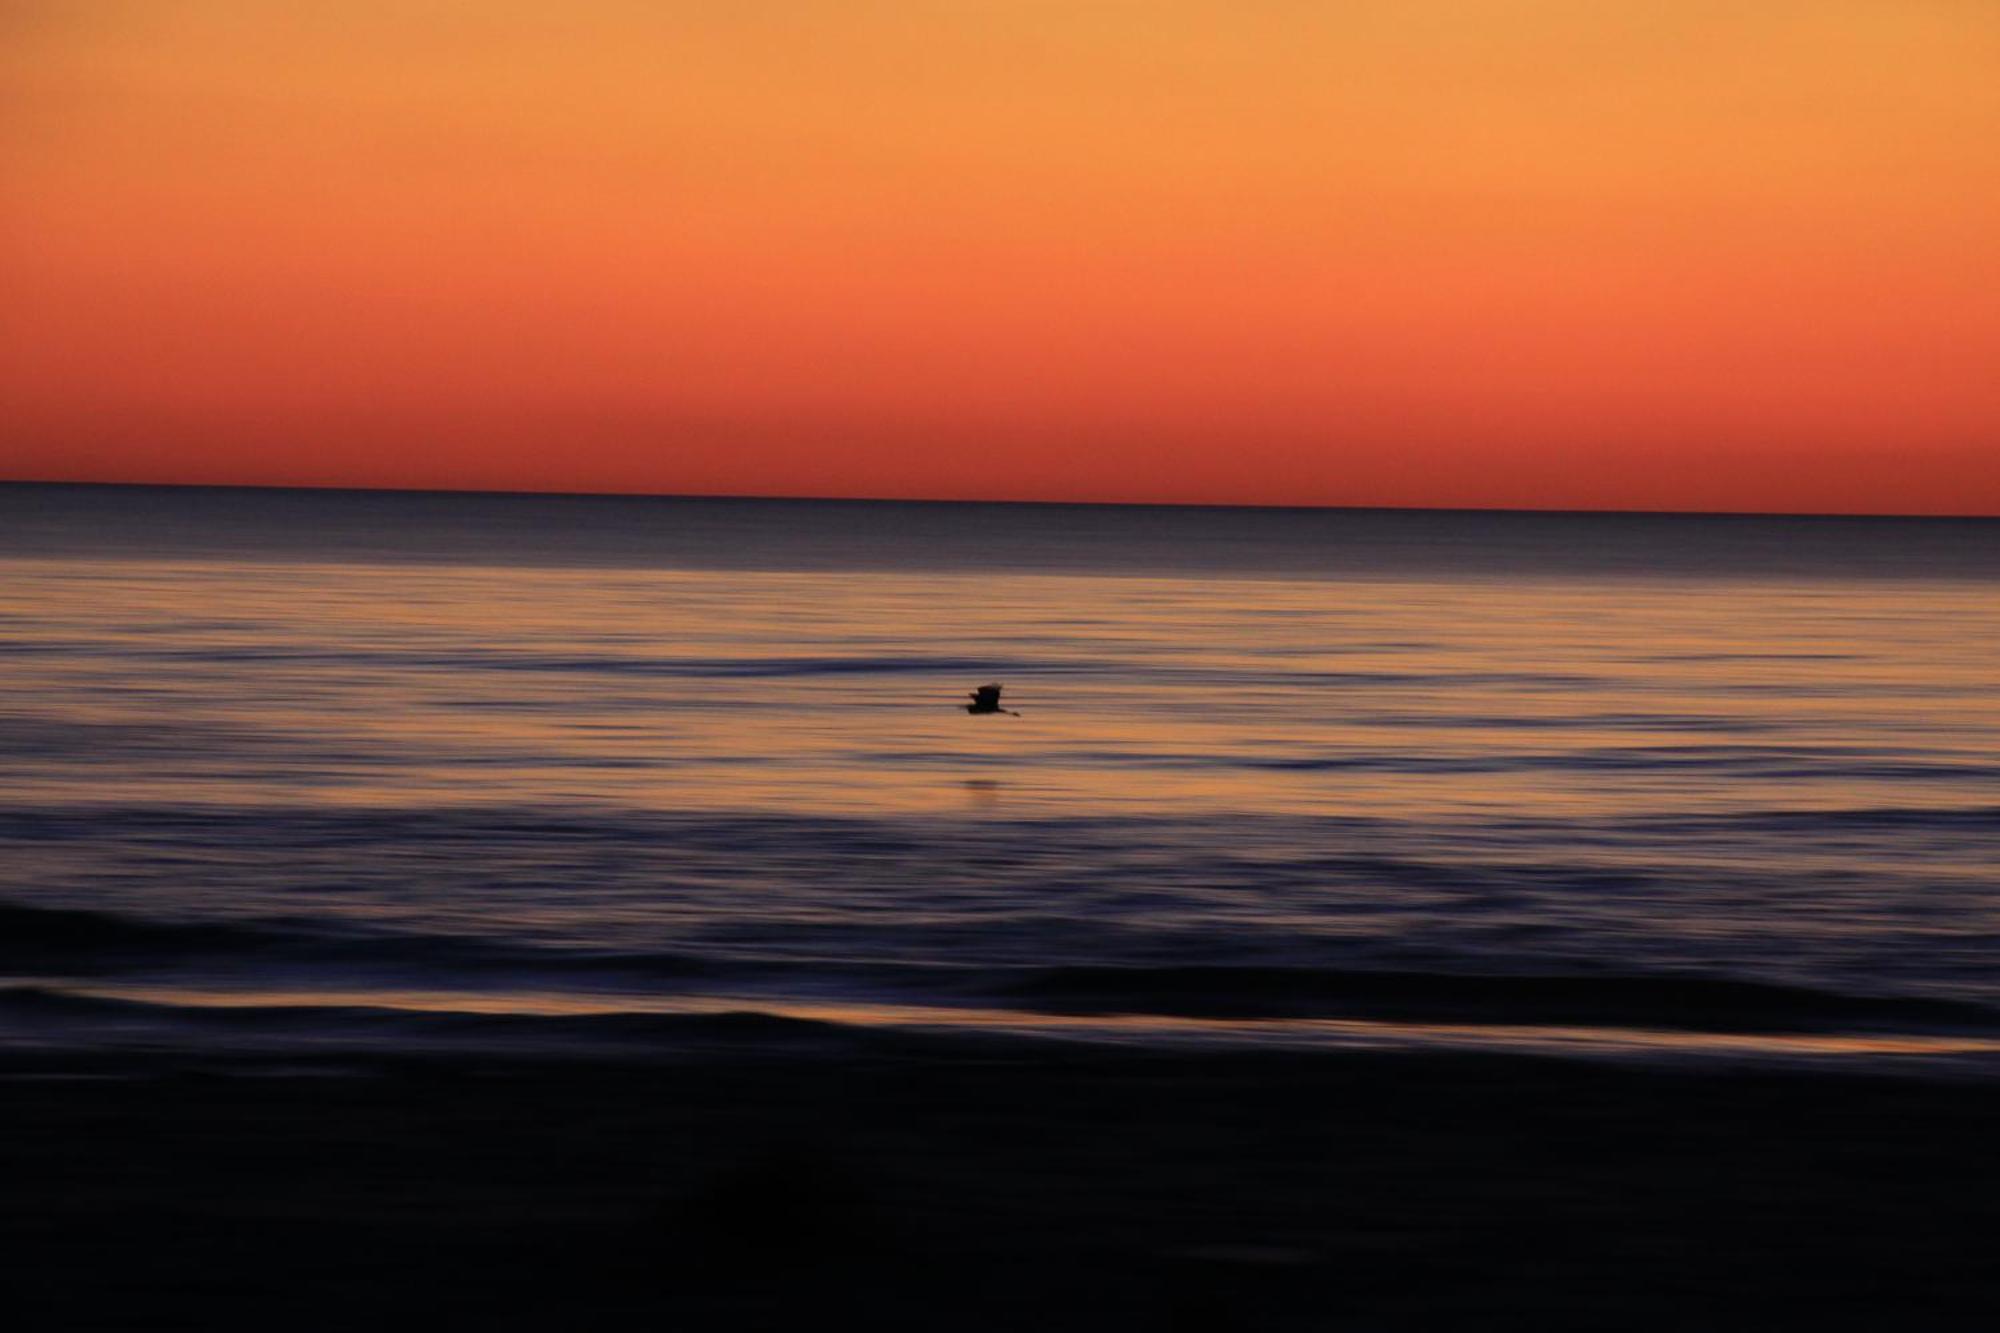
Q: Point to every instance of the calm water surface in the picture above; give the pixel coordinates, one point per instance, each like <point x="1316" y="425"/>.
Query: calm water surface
<point x="1633" y="785"/>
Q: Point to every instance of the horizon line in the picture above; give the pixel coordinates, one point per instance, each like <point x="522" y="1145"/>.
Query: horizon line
<point x="506" y="492"/>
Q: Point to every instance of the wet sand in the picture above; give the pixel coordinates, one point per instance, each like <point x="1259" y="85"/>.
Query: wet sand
<point x="1029" y="1187"/>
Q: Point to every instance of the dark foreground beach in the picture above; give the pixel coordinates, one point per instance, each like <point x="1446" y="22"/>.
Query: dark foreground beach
<point x="1003" y="1185"/>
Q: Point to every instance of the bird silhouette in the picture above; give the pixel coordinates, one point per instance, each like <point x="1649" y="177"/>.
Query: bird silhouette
<point x="986" y="699"/>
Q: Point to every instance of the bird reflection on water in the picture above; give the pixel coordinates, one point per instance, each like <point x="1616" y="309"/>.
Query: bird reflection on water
<point x="982" y="793"/>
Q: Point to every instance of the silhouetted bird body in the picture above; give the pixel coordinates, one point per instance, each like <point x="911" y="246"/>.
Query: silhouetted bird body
<point x="986" y="699"/>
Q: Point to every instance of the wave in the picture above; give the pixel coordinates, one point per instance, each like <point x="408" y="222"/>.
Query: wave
<point x="72" y="940"/>
<point x="1691" y="1002"/>
<point x="470" y="658"/>
<point x="1981" y="819"/>
<point x="46" y="1006"/>
<point x="60" y="941"/>
<point x="52" y="935"/>
<point x="283" y="822"/>
<point x="1801" y="765"/>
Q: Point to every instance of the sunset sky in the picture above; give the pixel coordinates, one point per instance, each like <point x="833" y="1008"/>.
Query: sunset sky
<point x="1651" y="254"/>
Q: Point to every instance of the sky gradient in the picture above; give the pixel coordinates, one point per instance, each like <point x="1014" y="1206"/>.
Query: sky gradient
<point x="1639" y="254"/>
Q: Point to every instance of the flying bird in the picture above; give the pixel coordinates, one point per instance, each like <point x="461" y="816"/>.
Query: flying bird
<point x="986" y="699"/>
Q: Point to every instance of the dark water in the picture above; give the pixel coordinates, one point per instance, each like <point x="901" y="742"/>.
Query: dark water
<point x="283" y="768"/>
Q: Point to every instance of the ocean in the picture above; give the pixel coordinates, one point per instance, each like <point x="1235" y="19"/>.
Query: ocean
<point x="285" y="771"/>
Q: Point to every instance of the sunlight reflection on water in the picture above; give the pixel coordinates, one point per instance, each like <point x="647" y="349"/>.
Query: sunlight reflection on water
<point x="837" y="693"/>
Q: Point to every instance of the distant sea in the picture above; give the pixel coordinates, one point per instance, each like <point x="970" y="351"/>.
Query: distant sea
<point x="286" y="769"/>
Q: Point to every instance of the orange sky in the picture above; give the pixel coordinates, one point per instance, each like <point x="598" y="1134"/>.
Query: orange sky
<point x="1683" y="254"/>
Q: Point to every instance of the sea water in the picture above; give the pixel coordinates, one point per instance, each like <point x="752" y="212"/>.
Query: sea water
<point x="283" y="767"/>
